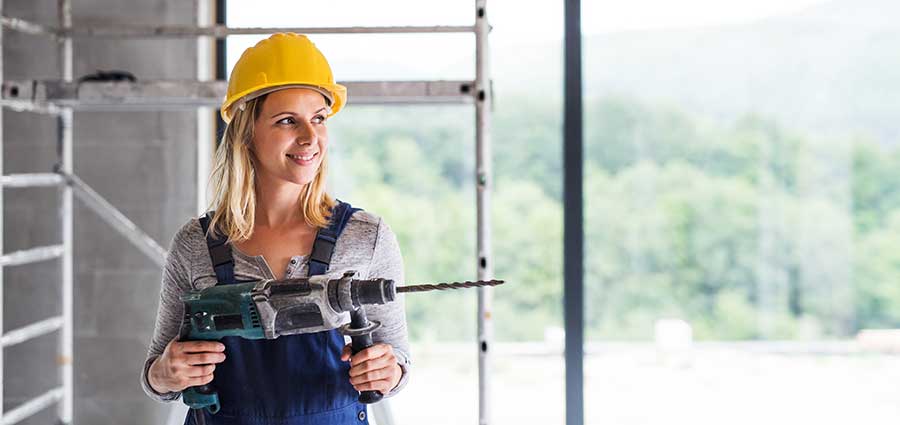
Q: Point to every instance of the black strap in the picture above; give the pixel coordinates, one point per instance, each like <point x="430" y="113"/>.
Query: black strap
<point x="319" y="259"/>
<point x="219" y="252"/>
<point x="323" y="247"/>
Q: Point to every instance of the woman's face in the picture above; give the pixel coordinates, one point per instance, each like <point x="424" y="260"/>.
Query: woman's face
<point x="290" y="137"/>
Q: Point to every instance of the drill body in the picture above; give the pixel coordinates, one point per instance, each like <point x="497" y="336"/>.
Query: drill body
<point x="272" y="308"/>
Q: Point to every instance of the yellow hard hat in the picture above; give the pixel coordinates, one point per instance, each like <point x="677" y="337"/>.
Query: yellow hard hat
<point x="281" y="61"/>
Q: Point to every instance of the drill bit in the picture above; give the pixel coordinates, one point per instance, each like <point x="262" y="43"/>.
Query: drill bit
<point x="446" y="286"/>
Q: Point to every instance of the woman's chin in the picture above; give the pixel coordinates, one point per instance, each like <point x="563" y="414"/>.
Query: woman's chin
<point x="302" y="180"/>
<point x="288" y="179"/>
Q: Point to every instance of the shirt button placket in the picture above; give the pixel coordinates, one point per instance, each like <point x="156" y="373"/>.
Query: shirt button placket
<point x="290" y="267"/>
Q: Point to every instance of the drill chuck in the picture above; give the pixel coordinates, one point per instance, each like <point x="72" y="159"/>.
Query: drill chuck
<point x="376" y="291"/>
<point x="348" y="294"/>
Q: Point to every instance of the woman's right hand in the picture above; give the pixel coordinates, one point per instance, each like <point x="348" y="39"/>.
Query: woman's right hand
<point x="185" y="364"/>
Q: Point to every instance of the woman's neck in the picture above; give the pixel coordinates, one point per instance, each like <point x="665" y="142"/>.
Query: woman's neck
<point x="277" y="203"/>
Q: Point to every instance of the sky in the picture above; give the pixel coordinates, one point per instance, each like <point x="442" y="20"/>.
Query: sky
<point x="609" y="16"/>
<point x="514" y="22"/>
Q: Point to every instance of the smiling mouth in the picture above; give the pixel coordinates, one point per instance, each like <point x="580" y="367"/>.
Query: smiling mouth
<point x="302" y="159"/>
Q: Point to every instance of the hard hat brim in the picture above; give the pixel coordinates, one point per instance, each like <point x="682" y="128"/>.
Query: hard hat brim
<point x="336" y="93"/>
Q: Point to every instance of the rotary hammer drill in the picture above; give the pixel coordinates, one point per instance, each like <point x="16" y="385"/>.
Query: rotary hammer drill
<point x="271" y="308"/>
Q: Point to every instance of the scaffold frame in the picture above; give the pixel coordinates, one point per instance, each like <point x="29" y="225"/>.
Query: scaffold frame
<point x="60" y="98"/>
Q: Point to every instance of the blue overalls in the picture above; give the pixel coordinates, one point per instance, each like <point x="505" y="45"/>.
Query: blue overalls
<point x="291" y="380"/>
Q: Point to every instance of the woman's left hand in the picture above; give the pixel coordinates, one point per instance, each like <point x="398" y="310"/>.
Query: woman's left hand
<point x="374" y="368"/>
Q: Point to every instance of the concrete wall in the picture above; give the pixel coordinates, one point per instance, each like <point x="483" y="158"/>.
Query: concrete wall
<point x="143" y="163"/>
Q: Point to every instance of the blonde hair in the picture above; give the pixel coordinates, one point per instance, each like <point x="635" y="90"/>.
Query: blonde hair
<point x="233" y="178"/>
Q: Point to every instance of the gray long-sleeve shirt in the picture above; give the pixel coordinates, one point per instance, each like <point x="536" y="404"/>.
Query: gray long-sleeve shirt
<point x="367" y="245"/>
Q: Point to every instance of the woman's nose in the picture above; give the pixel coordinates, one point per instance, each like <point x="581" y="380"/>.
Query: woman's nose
<point x="305" y="134"/>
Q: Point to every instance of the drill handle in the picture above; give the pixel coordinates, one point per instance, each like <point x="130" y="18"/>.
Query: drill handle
<point x="358" y="320"/>
<point x="201" y="396"/>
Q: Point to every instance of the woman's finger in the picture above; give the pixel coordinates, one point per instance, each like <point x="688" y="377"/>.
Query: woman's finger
<point x="371" y="365"/>
<point x="194" y="382"/>
<point x="201" y="346"/>
<point x="372" y="352"/>
<point x="380" y="385"/>
<point x="204" y="358"/>
<point x="387" y="358"/>
<point x="200" y="371"/>
<point x="370" y="376"/>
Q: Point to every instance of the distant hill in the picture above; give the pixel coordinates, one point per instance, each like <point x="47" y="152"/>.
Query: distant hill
<point x="833" y="69"/>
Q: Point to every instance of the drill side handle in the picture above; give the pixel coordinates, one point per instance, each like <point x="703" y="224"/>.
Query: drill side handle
<point x="361" y="341"/>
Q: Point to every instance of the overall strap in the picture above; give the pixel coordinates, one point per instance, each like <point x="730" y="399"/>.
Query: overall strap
<point x="326" y="238"/>
<point x="219" y="252"/>
<point x="319" y="259"/>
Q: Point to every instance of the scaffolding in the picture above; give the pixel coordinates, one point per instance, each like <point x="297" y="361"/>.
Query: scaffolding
<point x="59" y="98"/>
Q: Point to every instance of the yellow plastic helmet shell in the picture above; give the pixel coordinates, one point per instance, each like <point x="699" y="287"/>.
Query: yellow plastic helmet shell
<point x="283" y="60"/>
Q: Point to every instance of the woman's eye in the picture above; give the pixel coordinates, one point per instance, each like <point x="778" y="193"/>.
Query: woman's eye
<point x="287" y="120"/>
<point x="318" y="119"/>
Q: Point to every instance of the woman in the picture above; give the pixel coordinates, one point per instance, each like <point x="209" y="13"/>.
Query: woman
<point x="271" y="207"/>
